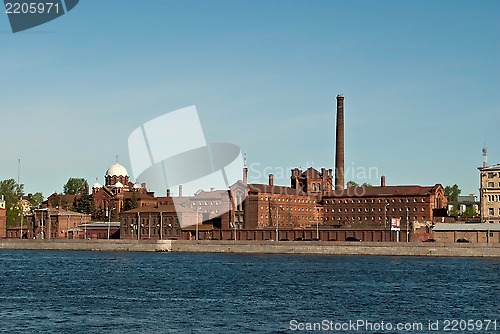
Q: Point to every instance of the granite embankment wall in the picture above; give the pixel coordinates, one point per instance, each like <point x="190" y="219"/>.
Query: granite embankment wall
<point x="263" y="247"/>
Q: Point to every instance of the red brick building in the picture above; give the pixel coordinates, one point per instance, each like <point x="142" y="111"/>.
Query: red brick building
<point x="50" y="223"/>
<point x="118" y="193"/>
<point x="375" y="206"/>
<point x="156" y="222"/>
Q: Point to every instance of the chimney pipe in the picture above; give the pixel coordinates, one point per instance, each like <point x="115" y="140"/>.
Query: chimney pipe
<point x="271" y="180"/>
<point x="245" y="175"/>
<point x="168" y="192"/>
<point x="245" y="169"/>
<point x="180" y="190"/>
<point x="339" y="151"/>
<point x="382" y="181"/>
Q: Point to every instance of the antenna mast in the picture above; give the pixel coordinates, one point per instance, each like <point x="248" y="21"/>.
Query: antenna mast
<point x="485" y="156"/>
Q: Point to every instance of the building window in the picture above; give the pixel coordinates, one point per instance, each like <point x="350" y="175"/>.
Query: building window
<point x="491" y="184"/>
<point x="491" y="212"/>
<point x="491" y="175"/>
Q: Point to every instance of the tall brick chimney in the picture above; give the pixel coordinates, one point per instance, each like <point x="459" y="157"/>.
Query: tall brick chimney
<point x="271" y="179"/>
<point x="245" y="170"/>
<point x="168" y="192"/>
<point x="339" y="148"/>
<point x="382" y="181"/>
<point x="180" y="190"/>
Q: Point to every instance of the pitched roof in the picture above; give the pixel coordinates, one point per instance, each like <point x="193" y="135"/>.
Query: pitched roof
<point x="161" y="208"/>
<point x="312" y="173"/>
<point x="265" y="188"/>
<point x="385" y="191"/>
<point x="466" y="227"/>
<point x="491" y="168"/>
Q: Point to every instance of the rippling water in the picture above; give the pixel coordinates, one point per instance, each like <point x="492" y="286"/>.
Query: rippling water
<point x="94" y="292"/>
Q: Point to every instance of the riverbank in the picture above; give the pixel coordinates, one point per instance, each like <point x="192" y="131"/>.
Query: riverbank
<point x="263" y="247"/>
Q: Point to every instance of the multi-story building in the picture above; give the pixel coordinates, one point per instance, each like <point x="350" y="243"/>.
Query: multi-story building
<point x="375" y="206"/>
<point x="119" y="194"/>
<point x="489" y="193"/>
<point x="156" y="221"/>
<point x="50" y="223"/>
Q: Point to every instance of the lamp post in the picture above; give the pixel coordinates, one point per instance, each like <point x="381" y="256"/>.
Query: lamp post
<point x="385" y="221"/>
<point x="161" y="225"/>
<point x="277" y="228"/>
<point x="109" y="221"/>
<point x="407" y="219"/>
<point x="197" y="222"/>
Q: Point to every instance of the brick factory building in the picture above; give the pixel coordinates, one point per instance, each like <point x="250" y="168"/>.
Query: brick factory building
<point x="375" y="206"/>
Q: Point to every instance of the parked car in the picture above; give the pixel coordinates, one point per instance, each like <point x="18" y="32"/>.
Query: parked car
<point x="283" y="239"/>
<point x="297" y="239"/>
<point x="463" y="240"/>
<point x="352" y="239"/>
<point x="429" y="240"/>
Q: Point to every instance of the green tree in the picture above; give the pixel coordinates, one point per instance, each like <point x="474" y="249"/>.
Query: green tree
<point x="452" y="192"/>
<point x="131" y="203"/>
<point x="354" y="184"/>
<point x="35" y="199"/>
<point x="470" y="212"/>
<point x="75" y="186"/>
<point x="12" y="192"/>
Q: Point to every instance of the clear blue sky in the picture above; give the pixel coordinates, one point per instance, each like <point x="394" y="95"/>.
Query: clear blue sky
<point x="421" y="83"/>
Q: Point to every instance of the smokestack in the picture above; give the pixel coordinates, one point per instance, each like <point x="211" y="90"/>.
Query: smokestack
<point x="271" y="179"/>
<point x="168" y="192"/>
<point x="180" y="190"/>
<point x="382" y="181"/>
<point x="339" y="150"/>
<point x="245" y="169"/>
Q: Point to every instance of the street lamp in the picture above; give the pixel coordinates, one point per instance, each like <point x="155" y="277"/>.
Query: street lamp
<point x="197" y="218"/>
<point x="407" y="219"/>
<point x="385" y="221"/>
<point x="277" y="228"/>
<point x="109" y="221"/>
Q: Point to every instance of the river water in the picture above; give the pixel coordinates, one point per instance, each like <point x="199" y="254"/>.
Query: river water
<point x="115" y="292"/>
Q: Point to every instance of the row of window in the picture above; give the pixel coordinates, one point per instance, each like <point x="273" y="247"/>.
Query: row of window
<point x="493" y="198"/>
<point x="205" y="203"/>
<point x="400" y="200"/>
<point x="491" y="212"/>
<point x="380" y="218"/>
<point x="287" y="209"/>
<point x="286" y="199"/>
<point x="492" y="185"/>
<point x="287" y="217"/>
<point x="401" y="209"/>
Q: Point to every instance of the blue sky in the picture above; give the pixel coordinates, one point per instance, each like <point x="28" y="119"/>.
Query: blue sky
<point x="420" y="79"/>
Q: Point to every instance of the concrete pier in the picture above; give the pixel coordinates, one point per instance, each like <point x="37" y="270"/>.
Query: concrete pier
<point x="263" y="247"/>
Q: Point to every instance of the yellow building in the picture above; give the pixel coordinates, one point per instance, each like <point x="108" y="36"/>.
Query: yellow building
<point x="490" y="194"/>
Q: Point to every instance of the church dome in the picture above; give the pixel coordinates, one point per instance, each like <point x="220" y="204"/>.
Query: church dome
<point x="119" y="184"/>
<point x="137" y="186"/>
<point x="96" y="185"/>
<point x="116" y="170"/>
